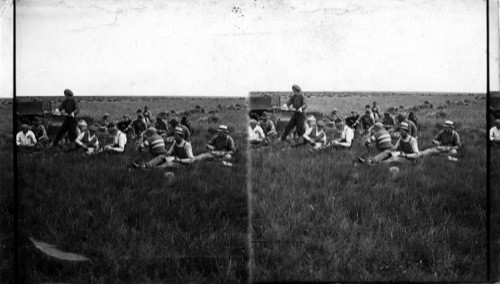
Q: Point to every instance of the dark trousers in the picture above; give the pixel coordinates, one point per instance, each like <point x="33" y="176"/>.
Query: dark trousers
<point x="298" y="119"/>
<point x="69" y="125"/>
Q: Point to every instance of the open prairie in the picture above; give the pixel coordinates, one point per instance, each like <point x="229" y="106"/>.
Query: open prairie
<point x="323" y="217"/>
<point x="135" y="225"/>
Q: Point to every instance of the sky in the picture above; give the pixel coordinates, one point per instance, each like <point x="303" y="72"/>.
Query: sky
<point x="229" y="48"/>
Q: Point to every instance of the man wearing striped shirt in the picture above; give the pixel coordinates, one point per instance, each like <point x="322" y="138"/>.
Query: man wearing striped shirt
<point x="380" y="138"/>
<point x="405" y="149"/>
<point x="154" y="143"/>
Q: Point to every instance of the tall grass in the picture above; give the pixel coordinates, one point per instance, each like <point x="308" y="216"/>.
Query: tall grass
<point x="319" y="217"/>
<point x="135" y="226"/>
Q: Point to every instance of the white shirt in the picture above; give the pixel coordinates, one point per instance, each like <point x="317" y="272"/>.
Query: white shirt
<point x="80" y="138"/>
<point x="119" y="141"/>
<point x="256" y="134"/>
<point x="27" y="139"/>
<point x="346" y="136"/>
<point x="494" y="134"/>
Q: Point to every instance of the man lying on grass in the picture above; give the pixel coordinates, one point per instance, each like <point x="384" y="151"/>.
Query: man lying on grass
<point x="179" y="153"/>
<point x="405" y="150"/>
<point x="220" y="146"/>
<point x="447" y="141"/>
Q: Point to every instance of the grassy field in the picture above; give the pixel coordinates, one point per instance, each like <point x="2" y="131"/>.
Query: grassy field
<point x="320" y="217"/>
<point x="133" y="225"/>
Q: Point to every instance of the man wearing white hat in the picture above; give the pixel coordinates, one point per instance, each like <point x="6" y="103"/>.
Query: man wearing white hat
<point x="220" y="146"/>
<point x="447" y="141"/>
<point x="495" y="134"/>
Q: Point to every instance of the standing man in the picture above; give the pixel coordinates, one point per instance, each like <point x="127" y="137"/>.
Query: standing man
<point x="70" y="107"/>
<point x="298" y="104"/>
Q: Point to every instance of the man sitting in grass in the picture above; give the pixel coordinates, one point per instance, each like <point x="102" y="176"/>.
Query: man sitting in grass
<point x="346" y="135"/>
<point x="25" y="139"/>
<point x="495" y="134"/>
<point x="139" y="125"/>
<point x="315" y="135"/>
<point x="366" y="121"/>
<point x="40" y="133"/>
<point x="103" y="122"/>
<point x="153" y="142"/>
<point x="256" y="135"/>
<point x="119" y="140"/>
<point x="220" y="146"/>
<point x="406" y="149"/>
<point x="161" y="126"/>
<point x="179" y="153"/>
<point x="447" y="141"/>
<point x="268" y="127"/>
<point x="380" y="138"/>
<point x="352" y="120"/>
<point x="174" y="122"/>
<point x="389" y="121"/>
<point x="88" y="140"/>
<point x="413" y="130"/>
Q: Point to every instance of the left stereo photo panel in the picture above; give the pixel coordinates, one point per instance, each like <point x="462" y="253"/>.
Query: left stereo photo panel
<point x="132" y="188"/>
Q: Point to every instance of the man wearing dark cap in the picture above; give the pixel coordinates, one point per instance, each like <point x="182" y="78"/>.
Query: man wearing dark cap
<point x="70" y="106"/>
<point x="88" y="141"/>
<point x="161" y="126"/>
<point x="298" y="104"/>
<point x="119" y="140"/>
<point x="447" y="141"/>
<point x="139" y="125"/>
<point x="40" y="133"/>
<point x="366" y="121"/>
<point x="389" y="121"/>
<point x="268" y="127"/>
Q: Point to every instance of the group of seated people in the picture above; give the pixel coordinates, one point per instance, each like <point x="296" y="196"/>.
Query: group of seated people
<point x="379" y="133"/>
<point x="150" y="137"/>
